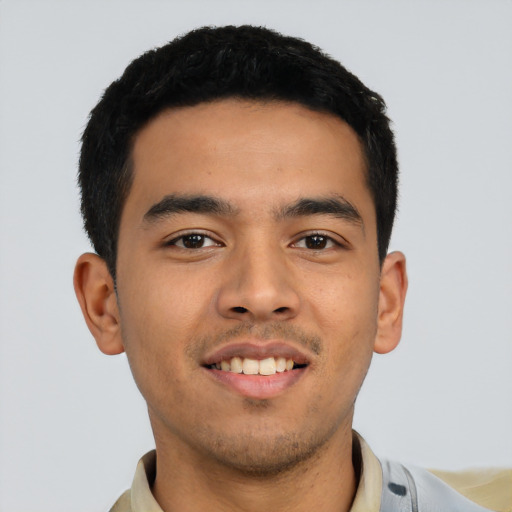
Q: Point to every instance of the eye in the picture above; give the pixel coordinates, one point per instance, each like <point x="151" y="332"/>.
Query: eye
<point x="316" y="242"/>
<point x="193" y="241"/>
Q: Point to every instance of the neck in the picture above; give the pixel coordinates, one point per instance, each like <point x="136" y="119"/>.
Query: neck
<point x="326" y="481"/>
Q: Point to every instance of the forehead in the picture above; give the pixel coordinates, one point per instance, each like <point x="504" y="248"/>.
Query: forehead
<point x="275" y="152"/>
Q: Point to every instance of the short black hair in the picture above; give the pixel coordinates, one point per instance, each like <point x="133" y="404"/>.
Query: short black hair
<point x="213" y="63"/>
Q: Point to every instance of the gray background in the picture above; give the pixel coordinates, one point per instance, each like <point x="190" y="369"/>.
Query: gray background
<point x="72" y="425"/>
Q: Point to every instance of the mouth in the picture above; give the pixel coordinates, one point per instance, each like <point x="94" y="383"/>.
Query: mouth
<point x="257" y="371"/>
<point x="248" y="366"/>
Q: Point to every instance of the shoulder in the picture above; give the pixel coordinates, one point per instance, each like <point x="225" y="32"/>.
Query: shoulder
<point x="411" y="488"/>
<point x="139" y="497"/>
<point x="123" y="504"/>
<point x="491" y="488"/>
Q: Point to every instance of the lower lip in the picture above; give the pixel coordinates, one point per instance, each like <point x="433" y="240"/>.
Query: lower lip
<point x="258" y="386"/>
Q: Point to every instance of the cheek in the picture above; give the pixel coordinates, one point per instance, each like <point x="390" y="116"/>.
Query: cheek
<point x="160" y="314"/>
<point x="162" y="298"/>
<point x="345" y="309"/>
<point x="345" y="301"/>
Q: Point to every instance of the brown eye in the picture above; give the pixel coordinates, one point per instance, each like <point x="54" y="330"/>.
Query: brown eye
<point x="193" y="241"/>
<point x="316" y="242"/>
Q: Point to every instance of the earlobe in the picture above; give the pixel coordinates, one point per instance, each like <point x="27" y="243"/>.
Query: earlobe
<point x="393" y="288"/>
<point x="95" y="291"/>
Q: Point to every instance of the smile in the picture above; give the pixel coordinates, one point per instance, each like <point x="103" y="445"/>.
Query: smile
<point x="257" y="370"/>
<point x="247" y="366"/>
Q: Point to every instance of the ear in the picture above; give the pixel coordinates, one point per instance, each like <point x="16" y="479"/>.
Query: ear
<point x="95" y="291"/>
<point x="393" y="287"/>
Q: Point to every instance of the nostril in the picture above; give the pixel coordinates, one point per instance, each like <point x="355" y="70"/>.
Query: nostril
<point x="240" y="309"/>
<point x="281" y="310"/>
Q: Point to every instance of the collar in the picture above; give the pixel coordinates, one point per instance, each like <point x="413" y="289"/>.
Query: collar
<point x="367" y="498"/>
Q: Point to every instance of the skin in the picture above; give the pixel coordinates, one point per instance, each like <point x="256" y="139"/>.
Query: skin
<point x="255" y="280"/>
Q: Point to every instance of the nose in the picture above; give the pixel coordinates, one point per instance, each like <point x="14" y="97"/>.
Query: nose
<point x="258" y="286"/>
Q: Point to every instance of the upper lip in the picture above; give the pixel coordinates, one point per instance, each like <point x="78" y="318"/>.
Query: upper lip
<point x="252" y="349"/>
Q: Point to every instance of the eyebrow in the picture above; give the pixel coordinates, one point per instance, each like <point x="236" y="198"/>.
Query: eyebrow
<point x="336" y="206"/>
<point x="173" y="203"/>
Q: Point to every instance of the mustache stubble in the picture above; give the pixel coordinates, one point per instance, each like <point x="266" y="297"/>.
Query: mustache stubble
<point x="267" y="331"/>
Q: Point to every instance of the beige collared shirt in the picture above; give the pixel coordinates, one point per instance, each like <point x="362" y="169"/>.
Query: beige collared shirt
<point x="488" y="488"/>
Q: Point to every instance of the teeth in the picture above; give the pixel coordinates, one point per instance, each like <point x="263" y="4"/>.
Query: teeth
<point x="251" y="366"/>
<point x="268" y="366"/>
<point x="281" y="364"/>
<point x="236" y="365"/>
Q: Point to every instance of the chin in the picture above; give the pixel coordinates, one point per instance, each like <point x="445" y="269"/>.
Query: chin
<point x="263" y="454"/>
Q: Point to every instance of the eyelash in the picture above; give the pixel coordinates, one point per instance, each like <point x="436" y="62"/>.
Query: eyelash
<point x="329" y="240"/>
<point x="174" y="241"/>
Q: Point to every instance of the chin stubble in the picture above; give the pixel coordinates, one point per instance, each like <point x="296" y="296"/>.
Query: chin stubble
<point x="261" y="453"/>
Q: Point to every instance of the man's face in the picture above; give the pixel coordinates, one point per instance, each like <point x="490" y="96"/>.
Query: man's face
<point x="248" y="235"/>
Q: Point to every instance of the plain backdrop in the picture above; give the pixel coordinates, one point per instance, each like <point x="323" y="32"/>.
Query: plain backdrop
<point x="72" y="424"/>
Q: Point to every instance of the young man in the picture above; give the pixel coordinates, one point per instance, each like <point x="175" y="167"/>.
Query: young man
<point x="239" y="188"/>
